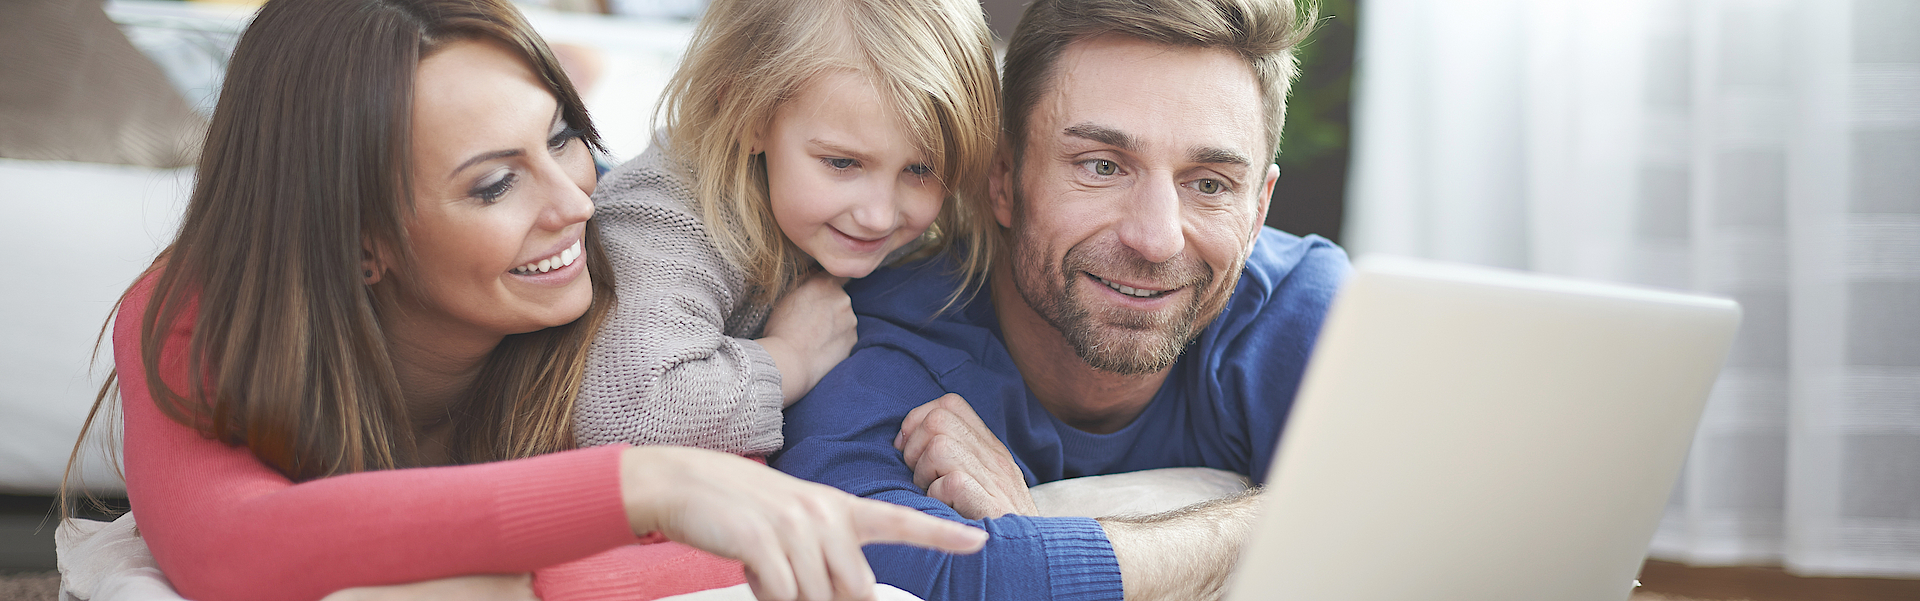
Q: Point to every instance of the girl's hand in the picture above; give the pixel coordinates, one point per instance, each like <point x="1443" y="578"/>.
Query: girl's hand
<point x="799" y="540"/>
<point x="809" y="331"/>
<point x="488" y="587"/>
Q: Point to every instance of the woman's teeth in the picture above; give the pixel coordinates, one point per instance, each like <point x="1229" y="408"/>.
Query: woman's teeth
<point x="565" y="258"/>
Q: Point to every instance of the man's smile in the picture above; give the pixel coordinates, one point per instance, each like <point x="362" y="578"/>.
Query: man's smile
<point x="1130" y="290"/>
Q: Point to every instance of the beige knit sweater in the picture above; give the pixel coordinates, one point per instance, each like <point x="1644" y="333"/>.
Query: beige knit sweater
<point x="675" y="363"/>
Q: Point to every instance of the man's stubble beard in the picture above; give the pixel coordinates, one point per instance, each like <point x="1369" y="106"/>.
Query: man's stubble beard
<point x="1129" y="343"/>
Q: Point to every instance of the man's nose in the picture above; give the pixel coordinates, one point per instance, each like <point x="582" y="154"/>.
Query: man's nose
<point x="1151" y="222"/>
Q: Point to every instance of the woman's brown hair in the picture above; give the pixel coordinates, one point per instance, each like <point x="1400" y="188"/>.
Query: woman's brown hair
<point x="305" y="167"/>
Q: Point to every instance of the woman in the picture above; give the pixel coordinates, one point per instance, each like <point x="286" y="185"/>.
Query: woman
<point x="385" y="278"/>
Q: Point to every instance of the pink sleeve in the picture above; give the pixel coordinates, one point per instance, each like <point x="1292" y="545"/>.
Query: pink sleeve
<point x="222" y="525"/>
<point x="637" y="573"/>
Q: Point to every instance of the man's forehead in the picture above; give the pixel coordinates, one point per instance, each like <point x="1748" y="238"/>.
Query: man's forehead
<point x="1153" y="95"/>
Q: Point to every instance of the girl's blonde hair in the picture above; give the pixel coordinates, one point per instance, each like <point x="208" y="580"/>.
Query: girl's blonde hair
<point x="931" y="59"/>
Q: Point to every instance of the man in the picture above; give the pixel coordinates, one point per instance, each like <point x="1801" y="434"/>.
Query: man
<point x="1139" y="317"/>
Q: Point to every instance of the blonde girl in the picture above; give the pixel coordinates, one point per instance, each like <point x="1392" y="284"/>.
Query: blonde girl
<point x="806" y="142"/>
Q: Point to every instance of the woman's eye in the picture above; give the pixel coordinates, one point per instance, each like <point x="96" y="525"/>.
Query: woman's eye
<point x="1105" y="167"/>
<point x="559" y="141"/>
<point x="920" y="170"/>
<point x="1209" y="186"/>
<point x="841" y="164"/>
<point x="491" y="192"/>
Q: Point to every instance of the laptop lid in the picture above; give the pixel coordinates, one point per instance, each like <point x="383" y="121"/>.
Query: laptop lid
<point x="1478" y="434"/>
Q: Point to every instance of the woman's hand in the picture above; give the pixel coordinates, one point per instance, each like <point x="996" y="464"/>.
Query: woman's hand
<point x="488" y="587"/>
<point x="799" y="540"/>
<point x="809" y="331"/>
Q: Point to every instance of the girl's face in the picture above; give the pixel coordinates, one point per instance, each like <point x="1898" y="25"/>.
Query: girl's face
<point x="847" y="182"/>
<point x="500" y="185"/>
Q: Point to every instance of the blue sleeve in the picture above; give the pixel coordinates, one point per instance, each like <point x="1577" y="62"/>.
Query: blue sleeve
<point x="842" y="435"/>
<point x="1270" y="354"/>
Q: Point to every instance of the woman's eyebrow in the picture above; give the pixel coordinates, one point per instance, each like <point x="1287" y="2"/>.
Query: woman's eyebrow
<point x="484" y="157"/>
<point x="559" y="113"/>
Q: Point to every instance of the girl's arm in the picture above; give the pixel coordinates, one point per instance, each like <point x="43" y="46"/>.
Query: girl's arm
<point x="810" y="330"/>
<point x="675" y="362"/>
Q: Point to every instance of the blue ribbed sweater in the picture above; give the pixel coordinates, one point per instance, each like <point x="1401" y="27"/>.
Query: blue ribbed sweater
<point x="1222" y="407"/>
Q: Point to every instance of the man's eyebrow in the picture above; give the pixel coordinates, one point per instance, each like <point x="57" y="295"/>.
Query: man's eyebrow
<point x="1218" y="156"/>
<point x="1102" y="134"/>
<point x="484" y="157"/>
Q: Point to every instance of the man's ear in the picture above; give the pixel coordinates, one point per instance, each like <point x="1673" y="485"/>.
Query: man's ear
<point x="999" y="187"/>
<point x="1264" y="202"/>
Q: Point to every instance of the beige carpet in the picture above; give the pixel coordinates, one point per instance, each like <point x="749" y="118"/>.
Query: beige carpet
<point x="30" y="586"/>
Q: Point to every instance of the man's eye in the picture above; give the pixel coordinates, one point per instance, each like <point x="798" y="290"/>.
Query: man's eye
<point x="1208" y="186"/>
<point x="841" y="164"/>
<point x="1105" y="167"/>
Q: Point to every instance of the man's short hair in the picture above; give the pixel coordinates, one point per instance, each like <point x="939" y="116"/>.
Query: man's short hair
<point x="1264" y="32"/>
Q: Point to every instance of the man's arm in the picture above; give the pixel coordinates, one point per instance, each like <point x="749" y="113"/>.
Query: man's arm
<point x="1182" y="554"/>
<point x="842" y="435"/>
<point x="1177" y="555"/>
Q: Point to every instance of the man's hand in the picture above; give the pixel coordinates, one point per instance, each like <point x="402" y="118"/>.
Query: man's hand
<point x="960" y="462"/>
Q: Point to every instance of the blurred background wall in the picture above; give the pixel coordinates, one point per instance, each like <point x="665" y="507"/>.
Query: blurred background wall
<point x="1765" y="150"/>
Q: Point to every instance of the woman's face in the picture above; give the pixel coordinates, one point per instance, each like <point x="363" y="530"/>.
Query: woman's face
<point x="500" y="186"/>
<point x="847" y="182"/>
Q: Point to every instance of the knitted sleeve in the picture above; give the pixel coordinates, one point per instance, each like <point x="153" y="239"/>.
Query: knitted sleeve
<point x="673" y="364"/>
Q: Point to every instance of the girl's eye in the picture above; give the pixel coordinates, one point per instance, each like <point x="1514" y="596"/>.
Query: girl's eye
<point x="921" y="170"/>
<point x="559" y="141"/>
<point x="1209" y="186"/>
<point x="840" y="164"/>
<point x="492" y="191"/>
<point x="1105" y="167"/>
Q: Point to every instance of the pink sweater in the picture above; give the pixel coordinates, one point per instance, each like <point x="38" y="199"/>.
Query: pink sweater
<point x="223" y="525"/>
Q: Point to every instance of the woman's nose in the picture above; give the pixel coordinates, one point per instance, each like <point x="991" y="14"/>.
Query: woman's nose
<point x="569" y="202"/>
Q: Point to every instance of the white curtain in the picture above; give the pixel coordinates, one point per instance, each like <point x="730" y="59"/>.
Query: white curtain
<point x="1766" y="150"/>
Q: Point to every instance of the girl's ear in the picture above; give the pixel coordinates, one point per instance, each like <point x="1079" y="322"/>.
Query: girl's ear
<point x="752" y="140"/>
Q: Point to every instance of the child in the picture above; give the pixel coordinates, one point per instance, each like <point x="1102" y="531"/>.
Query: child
<point x="807" y="142"/>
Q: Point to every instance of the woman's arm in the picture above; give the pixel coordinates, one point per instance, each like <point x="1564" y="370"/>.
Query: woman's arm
<point x="223" y="525"/>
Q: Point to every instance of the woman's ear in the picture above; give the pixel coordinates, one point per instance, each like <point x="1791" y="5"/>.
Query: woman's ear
<point x="372" y="266"/>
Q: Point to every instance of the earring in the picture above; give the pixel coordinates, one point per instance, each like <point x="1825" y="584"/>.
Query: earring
<point x="368" y="274"/>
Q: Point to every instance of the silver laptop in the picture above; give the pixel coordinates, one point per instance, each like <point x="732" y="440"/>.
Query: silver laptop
<point x="1471" y="434"/>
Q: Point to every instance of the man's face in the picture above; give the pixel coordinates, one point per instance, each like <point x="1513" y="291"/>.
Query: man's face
<point x="1143" y="184"/>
